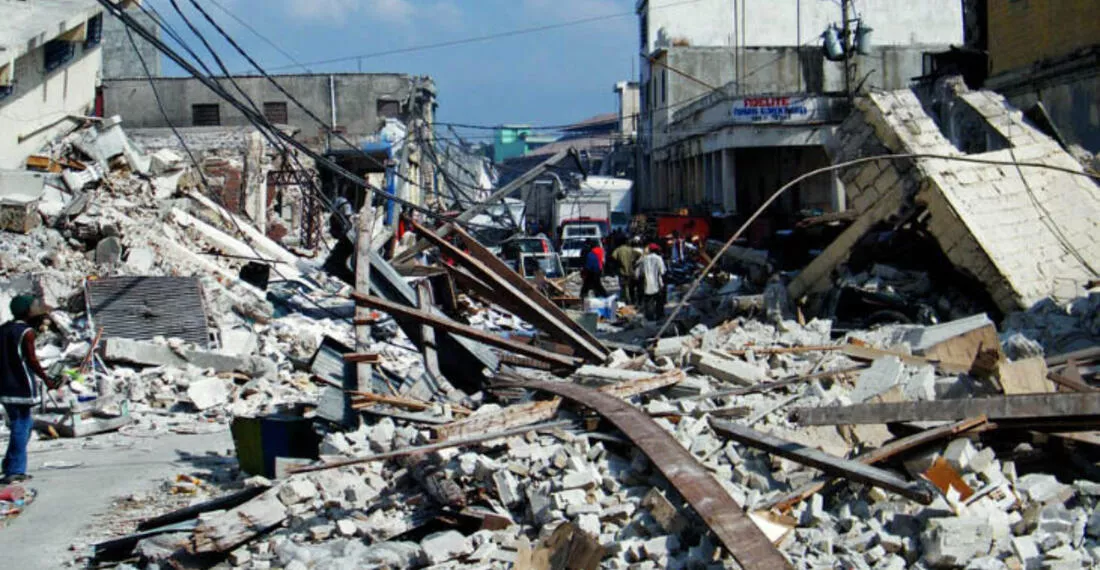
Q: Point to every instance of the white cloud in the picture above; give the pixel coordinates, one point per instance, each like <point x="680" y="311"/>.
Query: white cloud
<point x="351" y="11"/>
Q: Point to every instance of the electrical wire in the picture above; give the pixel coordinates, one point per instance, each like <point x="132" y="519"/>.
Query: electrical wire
<point x="256" y="32"/>
<point x="487" y="37"/>
<point x="248" y="113"/>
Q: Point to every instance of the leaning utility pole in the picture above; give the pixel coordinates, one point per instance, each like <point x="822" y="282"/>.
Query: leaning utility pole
<point x="846" y="41"/>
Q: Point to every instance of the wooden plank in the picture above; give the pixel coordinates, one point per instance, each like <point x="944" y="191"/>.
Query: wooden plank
<point x="869" y="354"/>
<point x="363" y="357"/>
<point x="887" y="451"/>
<point x="543" y="313"/>
<point x="484" y="438"/>
<point x="532" y="412"/>
<point x="226" y="530"/>
<point x="627" y="389"/>
<point x="403" y="312"/>
<point x="1070" y="377"/>
<point x="945" y="478"/>
<point x="961" y="351"/>
<point x="784" y="349"/>
<point x="363" y="369"/>
<point x="1068" y="407"/>
<point x="506" y="418"/>
<point x="918" y="491"/>
<point x="1028" y="376"/>
<point x="1084" y="355"/>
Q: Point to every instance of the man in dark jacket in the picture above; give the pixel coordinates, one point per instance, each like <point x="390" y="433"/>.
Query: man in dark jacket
<point x="19" y="390"/>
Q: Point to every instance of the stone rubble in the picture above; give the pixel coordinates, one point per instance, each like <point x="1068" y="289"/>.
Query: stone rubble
<point x="522" y="488"/>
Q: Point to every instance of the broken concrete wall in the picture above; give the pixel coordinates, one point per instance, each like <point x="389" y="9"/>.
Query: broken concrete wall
<point x="1025" y="233"/>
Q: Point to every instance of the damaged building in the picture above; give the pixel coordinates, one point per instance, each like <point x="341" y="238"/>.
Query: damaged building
<point x="1017" y="233"/>
<point x="228" y="400"/>
<point x="734" y="106"/>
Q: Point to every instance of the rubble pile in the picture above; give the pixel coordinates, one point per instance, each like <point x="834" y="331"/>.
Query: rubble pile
<point x="937" y="441"/>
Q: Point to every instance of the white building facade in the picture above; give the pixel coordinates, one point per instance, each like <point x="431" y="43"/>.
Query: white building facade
<point x="50" y="64"/>
<point x="737" y="96"/>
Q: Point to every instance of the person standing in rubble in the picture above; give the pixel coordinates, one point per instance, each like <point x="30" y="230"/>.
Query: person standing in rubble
<point x="340" y="225"/>
<point x="19" y="389"/>
<point x="676" y="248"/>
<point x="592" y="272"/>
<point x="651" y="270"/>
<point x="626" y="256"/>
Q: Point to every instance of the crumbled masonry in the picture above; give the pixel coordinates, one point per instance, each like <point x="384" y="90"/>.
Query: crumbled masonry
<point x="565" y="488"/>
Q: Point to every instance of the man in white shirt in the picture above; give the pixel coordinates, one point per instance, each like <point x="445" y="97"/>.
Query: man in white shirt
<point x="651" y="272"/>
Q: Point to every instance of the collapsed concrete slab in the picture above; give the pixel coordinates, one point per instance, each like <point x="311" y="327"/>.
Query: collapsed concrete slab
<point x="152" y="354"/>
<point x="1023" y="233"/>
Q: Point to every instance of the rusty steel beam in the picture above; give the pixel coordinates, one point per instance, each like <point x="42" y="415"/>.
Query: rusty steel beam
<point x="401" y="312"/>
<point x="919" y="491"/>
<point x="887" y="451"/>
<point x="1070" y="407"/>
<point x="740" y="536"/>
<point x="515" y="290"/>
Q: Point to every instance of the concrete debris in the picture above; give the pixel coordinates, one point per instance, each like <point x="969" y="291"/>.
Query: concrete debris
<point x="502" y="502"/>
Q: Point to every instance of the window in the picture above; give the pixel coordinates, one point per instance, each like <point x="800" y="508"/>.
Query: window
<point x="388" y="109"/>
<point x="275" y="112"/>
<point x="644" y="25"/>
<point x="95" y="32"/>
<point x="206" y="115"/>
<point x="664" y="86"/>
<point x="57" y="53"/>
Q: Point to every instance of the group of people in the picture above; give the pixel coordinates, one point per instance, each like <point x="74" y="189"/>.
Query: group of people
<point x="641" y="272"/>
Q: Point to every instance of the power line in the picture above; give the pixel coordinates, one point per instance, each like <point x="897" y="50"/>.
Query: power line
<point x="487" y="37"/>
<point x="256" y="32"/>
<point x="252" y="115"/>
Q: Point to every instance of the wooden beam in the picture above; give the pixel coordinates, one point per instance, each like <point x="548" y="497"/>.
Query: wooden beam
<point x="503" y="419"/>
<point x="878" y="455"/>
<point x="364" y="369"/>
<point x="868" y="353"/>
<point x="402" y="312"/>
<point x="769" y="386"/>
<point x="1068" y="407"/>
<point x="435" y="446"/>
<point x="226" y="530"/>
<point x="483" y="205"/>
<point x="530" y="304"/>
<point x="631" y="388"/>
<point x="784" y="349"/>
<point x="918" y="491"/>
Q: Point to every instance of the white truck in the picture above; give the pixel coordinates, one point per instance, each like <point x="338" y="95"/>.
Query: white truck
<point x="600" y="200"/>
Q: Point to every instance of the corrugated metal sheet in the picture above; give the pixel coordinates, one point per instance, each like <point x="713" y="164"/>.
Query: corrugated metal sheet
<point x="141" y="308"/>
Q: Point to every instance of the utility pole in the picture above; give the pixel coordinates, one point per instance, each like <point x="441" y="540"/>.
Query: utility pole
<point x="846" y="41"/>
<point x="363" y="246"/>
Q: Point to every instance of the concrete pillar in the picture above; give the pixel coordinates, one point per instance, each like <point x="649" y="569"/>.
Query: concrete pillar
<point x="729" y="180"/>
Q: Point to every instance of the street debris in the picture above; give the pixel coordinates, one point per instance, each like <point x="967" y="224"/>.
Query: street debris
<point x="461" y="415"/>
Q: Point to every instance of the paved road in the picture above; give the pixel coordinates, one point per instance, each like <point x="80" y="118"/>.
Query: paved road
<point x="69" y="499"/>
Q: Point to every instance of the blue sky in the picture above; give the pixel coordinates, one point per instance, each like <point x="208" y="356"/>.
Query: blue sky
<point x="551" y="77"/>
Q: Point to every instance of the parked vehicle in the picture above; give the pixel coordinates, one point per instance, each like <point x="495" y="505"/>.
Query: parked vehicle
<point x="571" y="252"/>
<point x="514" y="247"/>
<point x="582" y="230"/>
<point x="549" y="263"/>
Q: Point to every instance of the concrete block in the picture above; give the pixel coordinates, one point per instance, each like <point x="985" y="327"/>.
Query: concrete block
<point x="883" y="375"/>
<point x="986" y="563"/>
<point x="146" y="353"/>
<point x="579" y="480"/>
<point x="589" y="524"/>
<point x="381" y="435"/>
<point x="140" y="260"/>
<point x="661" y="547"/>
<point x="727" y="369"/>
<point x="296" y="491"/>
<point x="953" y="541"/>
<point x="443" y="546"/>
<point x="507" y="488"/>
<point x="671" y="347"/>
<point x="346" y="527"/>
<point x="959" y="453"/>
<point x="926" y="337"/>
<point x="108" y="251"/>
<point x="208" y="392"/>
<point x="1027" y="552"/>
<point x="1040" y="487"/>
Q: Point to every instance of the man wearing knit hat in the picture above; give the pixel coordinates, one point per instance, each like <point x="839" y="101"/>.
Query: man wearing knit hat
<point x="19" y="391"/>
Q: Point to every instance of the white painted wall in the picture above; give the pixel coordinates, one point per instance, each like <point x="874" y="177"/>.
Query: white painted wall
<point x="41" y="99"/>
<point x="773" y="23"/>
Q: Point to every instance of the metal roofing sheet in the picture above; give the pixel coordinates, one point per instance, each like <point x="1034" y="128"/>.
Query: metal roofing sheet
<point x="141" y="308"/>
